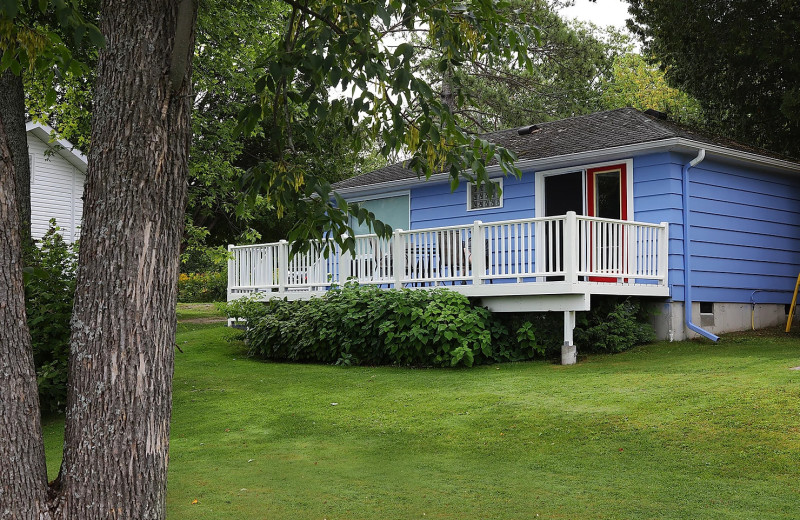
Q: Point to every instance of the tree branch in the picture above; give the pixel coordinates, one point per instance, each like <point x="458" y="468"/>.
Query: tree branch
<point x="181" y="53"/>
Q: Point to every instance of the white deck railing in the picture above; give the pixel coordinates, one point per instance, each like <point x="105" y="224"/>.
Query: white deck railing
<point x="569" y="248"/>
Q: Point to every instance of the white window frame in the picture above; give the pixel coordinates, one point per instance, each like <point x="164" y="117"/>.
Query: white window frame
<point x="471" y="186"/>
<point x="538" y="197"/>
<point x="33" y="170"/>
<point x="540" y="175"/>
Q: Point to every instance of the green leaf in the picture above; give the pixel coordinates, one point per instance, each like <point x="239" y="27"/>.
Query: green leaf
<point x="10" y="8"/>
<point x="383" y="14"/>
<point x="404" y="49"/>
<point x="260" y="84"/>
<point x="340" y="201"/>
<point x="335" y="75"/>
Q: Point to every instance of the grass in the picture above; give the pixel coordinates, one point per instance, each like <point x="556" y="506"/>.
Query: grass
<point x="193" y="312"/>
<point x="670" y="430"/>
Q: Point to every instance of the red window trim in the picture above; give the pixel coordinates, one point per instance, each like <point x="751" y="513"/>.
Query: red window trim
<point x="623" y="187"/>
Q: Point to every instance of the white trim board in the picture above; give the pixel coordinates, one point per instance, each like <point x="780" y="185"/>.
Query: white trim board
<point x="538" y="197"/>
<point x="613" y="154"/>
<point x="60" y="146"/>
<point x="470" y="187"/>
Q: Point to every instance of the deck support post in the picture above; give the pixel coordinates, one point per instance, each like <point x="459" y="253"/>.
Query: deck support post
<point x="283" y="265"/>
<point x="231" y="274"/>
<point x="477" y="253"/>
<point x="663" y="255"/>
<point x="399" y="258"/>
<point x="571" y="249"/>
<point x="345" y="264"/>
<point x="568" y="350"/>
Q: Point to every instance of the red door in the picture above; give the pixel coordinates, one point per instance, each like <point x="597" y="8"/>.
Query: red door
<point x="607" y="197"/>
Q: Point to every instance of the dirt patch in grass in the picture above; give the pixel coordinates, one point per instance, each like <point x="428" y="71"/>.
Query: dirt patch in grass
<point x="215" y="319"/>
<point x="202" y="313"/>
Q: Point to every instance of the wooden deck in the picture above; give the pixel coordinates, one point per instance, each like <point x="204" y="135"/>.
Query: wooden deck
<point x="527" y="265"/>
<point x="537" y="264"/>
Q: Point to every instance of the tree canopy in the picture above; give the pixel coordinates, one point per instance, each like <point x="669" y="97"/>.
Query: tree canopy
<point x="739" y="59"/>
<point x="634" y="82"/>
<point x="347" y="47"/>
<point x="123" y="327"/>
<point x="570" y="60"/>
<point x="576" y="69"/>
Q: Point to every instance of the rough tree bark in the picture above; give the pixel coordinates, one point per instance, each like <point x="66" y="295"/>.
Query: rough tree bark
<point x="23" y="475"/>
<point x="12" y="107"/>
<point x="121" y="360"/>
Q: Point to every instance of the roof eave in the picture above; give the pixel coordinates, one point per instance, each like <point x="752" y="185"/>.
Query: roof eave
<point x="672" y="144"/>
<point x="65" y="149"/>
<point x="690" y="145"/>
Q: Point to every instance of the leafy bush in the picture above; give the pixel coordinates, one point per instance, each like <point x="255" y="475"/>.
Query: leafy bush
<point x="370" y="326"/>
<point x="49" y="293"/>
<point x="204" y="276"/>
<point x="203" y="287"/>
<point x="613" y="326"/>
<point x="546" y="327"/>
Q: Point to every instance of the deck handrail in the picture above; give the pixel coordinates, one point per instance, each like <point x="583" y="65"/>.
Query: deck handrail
<point x="567" y="248"/>
<point x="456" y="226"/>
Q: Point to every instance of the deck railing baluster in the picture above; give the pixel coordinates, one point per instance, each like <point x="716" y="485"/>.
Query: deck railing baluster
<point x="523" y="251"/>
<point x="521" y="262"/>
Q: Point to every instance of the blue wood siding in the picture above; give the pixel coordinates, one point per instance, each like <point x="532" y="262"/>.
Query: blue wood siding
<point x="745" y="233"/>
<point x="657" y="198"/>
<point x="745" y="222"/>
<point x="435" y="205"/>
<point x="745" y="227"/>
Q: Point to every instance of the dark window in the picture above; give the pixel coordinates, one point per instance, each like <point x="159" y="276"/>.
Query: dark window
<point x="563" y="193"/>
<point x="706" y="308"/>
<point x="608" y="195"/>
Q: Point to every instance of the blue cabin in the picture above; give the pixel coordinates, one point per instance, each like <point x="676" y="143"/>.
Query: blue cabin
<point x="599" y="209"/>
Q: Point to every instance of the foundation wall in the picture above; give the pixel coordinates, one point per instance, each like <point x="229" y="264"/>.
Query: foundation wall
<point x="724" y="317"/>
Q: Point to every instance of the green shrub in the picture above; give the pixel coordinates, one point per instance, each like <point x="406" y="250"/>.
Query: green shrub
<point x="203" y="287"/>
<point x="613" y="326"/>
<point x="49" y="293"/>
<point x="370" y="326"/>
<point x="204" y="275"/>
<point x="546" y="327"/>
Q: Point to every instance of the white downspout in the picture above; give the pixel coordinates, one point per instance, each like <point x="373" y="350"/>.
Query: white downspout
<point x="687" y="269"/>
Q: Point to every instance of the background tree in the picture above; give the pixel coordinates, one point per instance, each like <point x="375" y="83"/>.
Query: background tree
<point x="635" y="82"/>
<point x="571" y="60"/>
<point x="123" y="327"/>
<point x="41" y="39"/>
<point x="739" y="59"/>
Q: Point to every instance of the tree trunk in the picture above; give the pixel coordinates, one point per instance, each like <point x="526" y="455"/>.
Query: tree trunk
<point x="23" y="475"/>
<point x="12" y="107"/>
<point x="123" y="336"/>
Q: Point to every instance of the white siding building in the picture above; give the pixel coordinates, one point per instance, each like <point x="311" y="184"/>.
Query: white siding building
<point x="58" y="173"/>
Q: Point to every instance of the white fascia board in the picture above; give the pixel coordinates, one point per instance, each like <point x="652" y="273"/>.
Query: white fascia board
<point x="689" y="145"/>
<point x="546" y="163"/>
<point x="65" y="149"/>
<point x="673" y="144"/>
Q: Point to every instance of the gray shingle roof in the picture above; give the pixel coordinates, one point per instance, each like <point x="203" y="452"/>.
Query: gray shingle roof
<point x="598" y="131"/>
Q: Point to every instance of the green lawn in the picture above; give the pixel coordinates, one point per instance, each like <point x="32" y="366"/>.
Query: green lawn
<point x="682" y="430"/>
